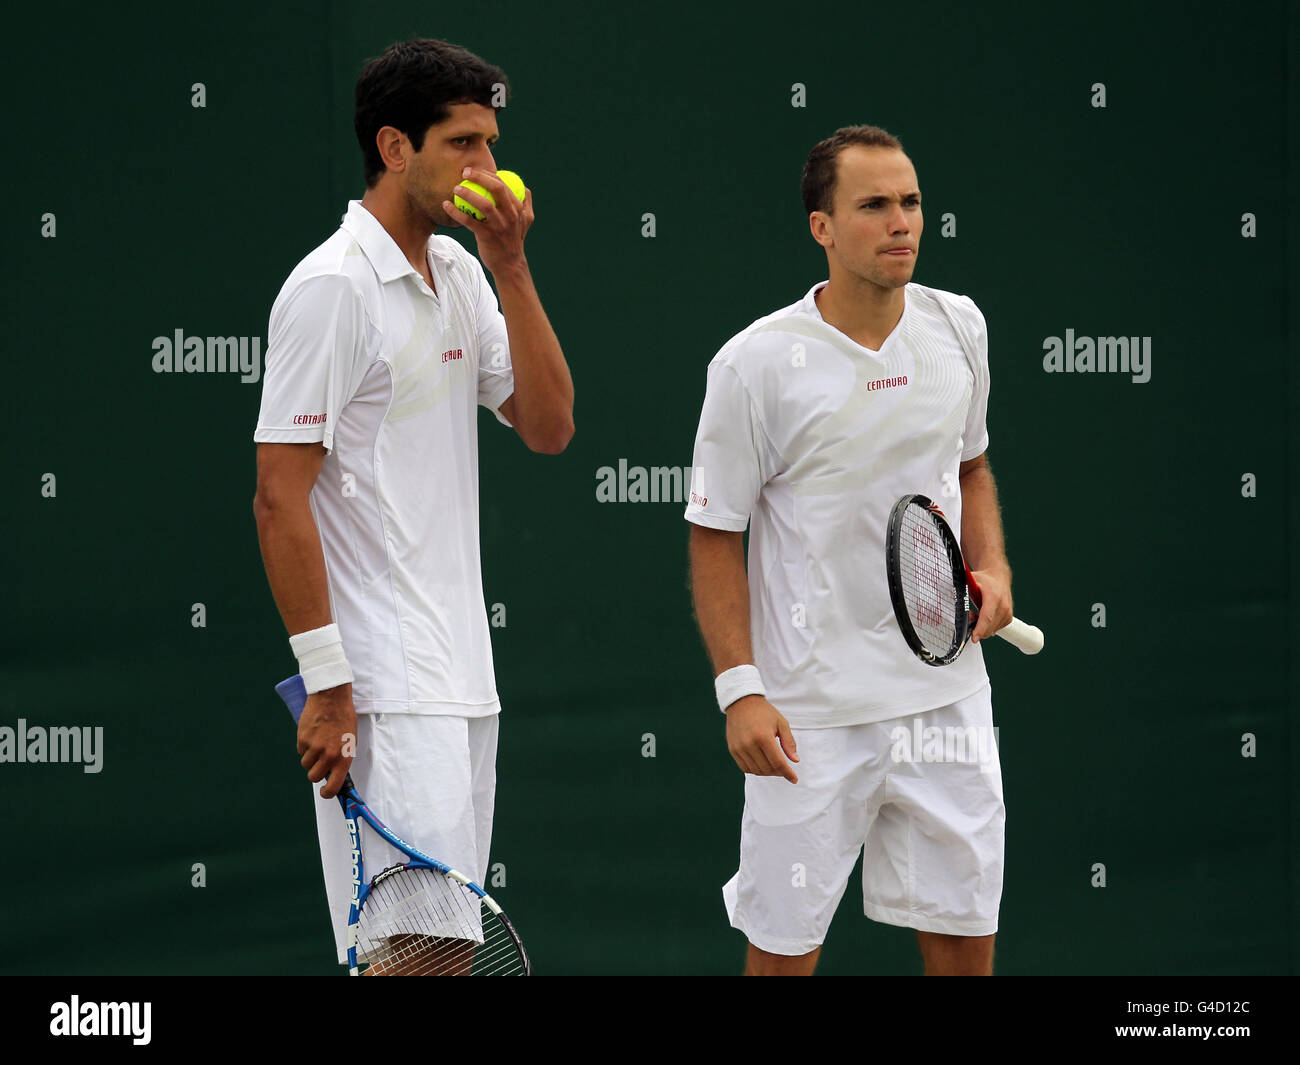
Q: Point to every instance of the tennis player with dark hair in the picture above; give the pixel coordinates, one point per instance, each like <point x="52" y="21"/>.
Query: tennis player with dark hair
<point x="816" y="419"/>
<point x="383" y="343"/>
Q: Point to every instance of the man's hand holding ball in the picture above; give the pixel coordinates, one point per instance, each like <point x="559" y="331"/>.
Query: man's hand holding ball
<point x="498" y="209"/>
<point x="508" y="177"/>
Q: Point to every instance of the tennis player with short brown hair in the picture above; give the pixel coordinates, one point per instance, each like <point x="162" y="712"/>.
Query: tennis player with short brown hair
<point x="384" y="341"/>
<point x="816" y="419"/>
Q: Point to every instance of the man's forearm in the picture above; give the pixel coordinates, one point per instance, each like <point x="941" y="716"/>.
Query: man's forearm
<point x="981" y="523"/>
<point x="295" y="564"/>
<point x="543" y="384"/>
<point x="720" y="592"/>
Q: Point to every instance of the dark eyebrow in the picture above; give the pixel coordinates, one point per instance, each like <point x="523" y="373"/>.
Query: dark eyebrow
<point x="914" y="194"/>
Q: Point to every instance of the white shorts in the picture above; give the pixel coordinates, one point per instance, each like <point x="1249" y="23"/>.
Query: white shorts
<point x="924" y="807"/>
<point x="429" y="778"/>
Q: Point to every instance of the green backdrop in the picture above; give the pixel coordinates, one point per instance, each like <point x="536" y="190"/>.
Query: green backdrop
<point x="1121" y="745"/>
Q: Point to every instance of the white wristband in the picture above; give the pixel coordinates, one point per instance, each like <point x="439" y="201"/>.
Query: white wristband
<point x="736" y="683"/>
<point x="321" y="660"/>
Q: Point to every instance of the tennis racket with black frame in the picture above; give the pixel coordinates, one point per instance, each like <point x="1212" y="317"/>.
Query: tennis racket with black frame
<point x="419" y="917"/>
<point x="936" y="599"/>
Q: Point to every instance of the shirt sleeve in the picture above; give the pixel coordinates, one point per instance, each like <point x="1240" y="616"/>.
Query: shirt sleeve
<point x="315" y="360"/>
<point x="496" y="373"/>
<point x="732" y="459"/>
<point x="976" y="436"/>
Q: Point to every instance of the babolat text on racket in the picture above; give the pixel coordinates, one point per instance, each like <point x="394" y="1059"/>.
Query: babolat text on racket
<point x="419" y="917"/>
<point x="936" y="600"/>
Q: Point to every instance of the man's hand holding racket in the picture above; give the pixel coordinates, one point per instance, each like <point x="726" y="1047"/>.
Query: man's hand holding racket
<point x="991" y="590"/>
<point x="327" y="737"/>
<point x="760" y="740"/>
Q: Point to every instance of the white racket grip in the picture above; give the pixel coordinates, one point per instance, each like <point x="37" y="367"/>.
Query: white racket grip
<point x="1029" y="638"/>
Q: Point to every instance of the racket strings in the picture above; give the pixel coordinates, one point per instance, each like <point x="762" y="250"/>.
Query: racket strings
<point x="418" y="922"/>
<point x="934" y="603"/>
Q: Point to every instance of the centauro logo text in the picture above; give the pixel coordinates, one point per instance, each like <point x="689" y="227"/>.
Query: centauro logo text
<point x="102" y="1018"/>
<point x="886" y="382"/>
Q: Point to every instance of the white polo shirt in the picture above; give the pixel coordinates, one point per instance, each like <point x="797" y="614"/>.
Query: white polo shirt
<point x="364" y="357"/>
<point x="813" y="438"/>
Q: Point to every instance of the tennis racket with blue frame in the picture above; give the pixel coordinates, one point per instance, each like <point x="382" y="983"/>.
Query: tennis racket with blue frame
<point x="419" y="917"/>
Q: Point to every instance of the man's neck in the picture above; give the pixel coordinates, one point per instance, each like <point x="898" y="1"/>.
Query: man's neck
<point x="409" y="230"/>
<point x="863" y="312"/>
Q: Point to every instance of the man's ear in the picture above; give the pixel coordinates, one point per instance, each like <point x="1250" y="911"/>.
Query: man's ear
<point x="819" y="225"/>
<point x="392" y="145"/>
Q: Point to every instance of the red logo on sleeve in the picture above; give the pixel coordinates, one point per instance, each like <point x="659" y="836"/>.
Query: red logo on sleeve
<point x="308" y="419"/>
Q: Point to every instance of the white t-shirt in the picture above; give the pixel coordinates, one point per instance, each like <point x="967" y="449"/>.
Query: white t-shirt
<point x="364" y="357"/>
<point x="813" y="438"/>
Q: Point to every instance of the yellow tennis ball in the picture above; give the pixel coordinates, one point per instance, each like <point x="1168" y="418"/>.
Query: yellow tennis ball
<point x="512" y="181"/>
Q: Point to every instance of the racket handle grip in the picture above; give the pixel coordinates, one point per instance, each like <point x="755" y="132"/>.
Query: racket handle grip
<point x="294" y="693"/>
<point x="1029" y="638"/>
